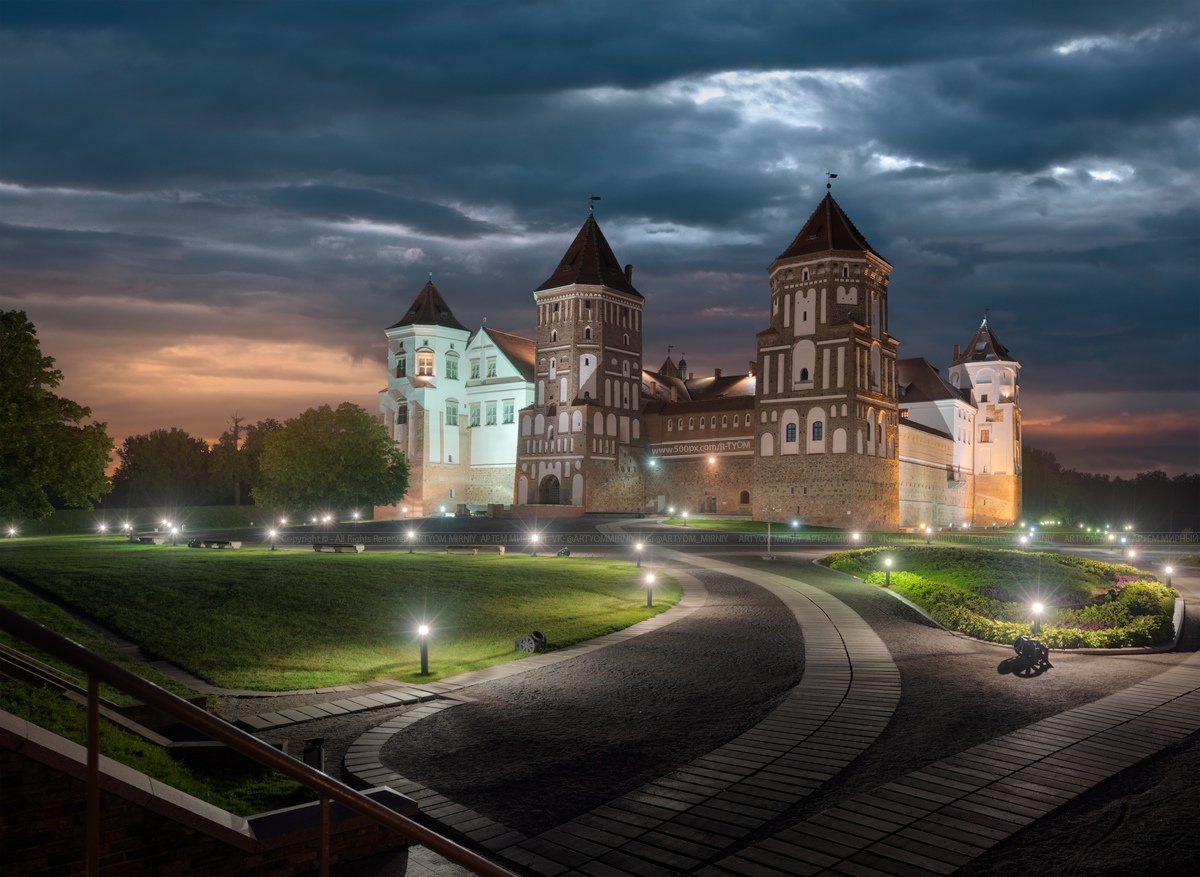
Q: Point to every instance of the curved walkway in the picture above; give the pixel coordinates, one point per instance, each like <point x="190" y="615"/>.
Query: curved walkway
<point x="939" y="818"/>
<point x="678" y="822"/>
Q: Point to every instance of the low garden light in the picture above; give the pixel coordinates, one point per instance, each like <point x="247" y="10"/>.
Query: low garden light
<point x="102" y="529"/>
<point x="887" y="572"/>
<point x="271" y="534"/>
<point x="637" y="549"/>
<point x="174" y="533"/>
<point x="404" y="510"/>
<point x="671" y="510"/>
<point x="1131" y="554"/>
<point x="1023" y="539"/>
<point x="649" y="590"/>
<point x="423" y="635"/>
<point x="534" y="538"/>
<point x="856" y="536"/>
<point x="1038" y="609"/>
<point x="795" y="524"/>
<point x="1168" y="570"/>
<point x="928" y="535"/>
<point x="12" y="531"/>
<point x="685" y="516"/>
<point x="354" y="515"/>
<point x="283" y="522"/>
<point x="411" y="534"/>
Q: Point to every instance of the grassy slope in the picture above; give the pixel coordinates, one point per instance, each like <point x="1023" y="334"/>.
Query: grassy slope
<point x="289" y="619"/>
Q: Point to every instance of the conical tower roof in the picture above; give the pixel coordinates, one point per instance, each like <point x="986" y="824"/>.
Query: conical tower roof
<point x="590" y="260"/>
<point x="829" y="228"/>
<point x="983" y="346"/>
<point x="429" y="309"/>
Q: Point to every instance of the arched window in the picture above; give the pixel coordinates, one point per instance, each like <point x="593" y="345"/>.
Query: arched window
<point x="425" y="362"/>
<point x="845" y="270"/>
<point x="818" y="431"/>
<point x="670" y="425"/>
<point x="402" y="365"/>
<point x="744" y="498"/>
<point x="790" y="433"/>
<point x="804" y="274"/>
<point x="803" y="375"/>
<point x="587" y="333"/>
<point x="452" y="366"/>
<point x="553" y="335"/>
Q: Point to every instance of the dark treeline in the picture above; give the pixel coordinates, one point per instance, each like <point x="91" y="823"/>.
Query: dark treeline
<point x="1151" y="501"/>
<point x="168" y="468"/>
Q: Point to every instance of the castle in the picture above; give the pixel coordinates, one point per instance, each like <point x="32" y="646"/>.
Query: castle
<point x="829" y="426"/>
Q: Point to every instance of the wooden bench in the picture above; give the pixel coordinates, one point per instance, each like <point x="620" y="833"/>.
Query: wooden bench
<point x="474" y="549"/>
<point x="339" y="547"/>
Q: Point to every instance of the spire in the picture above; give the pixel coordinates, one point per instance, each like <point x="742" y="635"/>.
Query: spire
<point x="829" y="228"/>
<point x="590" y="260"/>
<point x="983" y="346"/>
<point x="429" y="309"/>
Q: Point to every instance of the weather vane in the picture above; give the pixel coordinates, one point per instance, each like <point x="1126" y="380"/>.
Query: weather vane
<point x="592" y="203"/>
<point x="830" y="176"/>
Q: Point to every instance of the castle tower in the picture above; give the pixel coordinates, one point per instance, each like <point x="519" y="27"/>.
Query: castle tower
<point x="424" y="405"/>
<point x="579" y="441"/>
<point x="987" y="370"/>
<point x="826" y="400"/>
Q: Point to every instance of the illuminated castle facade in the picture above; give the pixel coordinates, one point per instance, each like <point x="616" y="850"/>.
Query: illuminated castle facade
<point x="829" y="425"/>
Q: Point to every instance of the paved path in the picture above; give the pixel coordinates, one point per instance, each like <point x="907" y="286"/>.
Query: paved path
<point x="677" y="822"/>
<point x="939" y="818"/>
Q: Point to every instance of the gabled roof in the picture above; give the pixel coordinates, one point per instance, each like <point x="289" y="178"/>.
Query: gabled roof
<point x="521" y="352"/>
<point x="919" y="381"/>
<point x="590" y="260"/>
<point x="693" y="390"/>
<point x="983" y="346"/>
<point x="829" y="228"/>
<point x="429" y="309"/>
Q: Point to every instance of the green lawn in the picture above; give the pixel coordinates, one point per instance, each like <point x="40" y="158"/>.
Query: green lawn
<point x="297" y="619"/>
<point x="990" y="593"/>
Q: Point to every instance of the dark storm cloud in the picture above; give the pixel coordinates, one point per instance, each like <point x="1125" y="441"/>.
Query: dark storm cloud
<point x="290" y="172"/>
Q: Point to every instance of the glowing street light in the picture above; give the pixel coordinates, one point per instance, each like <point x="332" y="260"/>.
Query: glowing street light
<point x="649" y="590"/>
<point x="12" y="531"/>
<point x="887" y="572"/>
<point x="1023" y="539"/>
<point x="412" y="534"/>
<point x="1168" y="570"/>
<point x="102" y="528"/>
<point x="174" y="533"/>
<point x="637" y="547"/>
<point x="928" y="534"/>
<point x="534" y="538"/>
<point x="1131" y="554"/>
<point x="404" y="510"/>
<point x="423" y="633"/>
<point x="271" y="534"/>
<point x="1038" y="609"/>
<point x="354" y="515"/>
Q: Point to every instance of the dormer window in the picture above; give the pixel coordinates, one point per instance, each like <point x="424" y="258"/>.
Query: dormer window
<point x="425" y="363"/>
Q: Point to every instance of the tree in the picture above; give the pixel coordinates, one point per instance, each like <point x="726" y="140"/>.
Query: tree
<point x="165" y="468"/>
<point x="331" y="459"/>
<point x="46" y="451"/>
<point x="235" y="464"/>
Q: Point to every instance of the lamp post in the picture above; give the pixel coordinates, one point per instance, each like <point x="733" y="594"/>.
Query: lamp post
<point x="770" y="513"/>
<point x="1023" y="539"/>
<point x="1038" y="608"/>
<point x="650" y="464"/>
<point x="649" y="590"/>
<point x="856" y="536"/>
<point x="887" y="572"/>
<point x="1131" y="554"/>
<point x="685" y="518"/>
<point x="533" y="543"/>
<point x="637" y="547"/>
<point x="271" y="534"/>
<point x="1168" y="570"/>
<point x="423" y="633"/>
<point x="928" y="534"/>
<point x="174" y="533"/>
<point x="412" y="534"/>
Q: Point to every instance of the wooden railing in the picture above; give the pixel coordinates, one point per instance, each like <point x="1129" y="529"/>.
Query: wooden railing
<point x="100" y="670"/>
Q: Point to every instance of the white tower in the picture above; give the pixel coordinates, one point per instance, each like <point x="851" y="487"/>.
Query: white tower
<point x="987" y="370"/>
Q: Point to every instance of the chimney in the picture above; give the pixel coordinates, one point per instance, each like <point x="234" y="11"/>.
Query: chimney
<point x="716" y="373"/>
<point x="956" y="351"/>
<point x="629" y="273"/>
<point x="691" y="376"/>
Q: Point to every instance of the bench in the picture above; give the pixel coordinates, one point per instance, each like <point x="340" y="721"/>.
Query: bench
<point x="339" y="547"/>
<point x="474" y="549"/>
<point x="214" y="543"/>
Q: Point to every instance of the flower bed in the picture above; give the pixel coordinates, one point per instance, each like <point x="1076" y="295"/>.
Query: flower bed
<point x="988" y="594"/>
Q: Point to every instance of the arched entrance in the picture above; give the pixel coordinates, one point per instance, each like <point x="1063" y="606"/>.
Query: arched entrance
<point x="549" y="491"/>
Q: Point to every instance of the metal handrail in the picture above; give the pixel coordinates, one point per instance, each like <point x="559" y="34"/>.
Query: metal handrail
<point x="100" y="669"/>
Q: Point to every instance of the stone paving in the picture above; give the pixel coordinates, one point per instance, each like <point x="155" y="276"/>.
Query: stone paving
<point x="677" y="822"/>
<point x="936" y="819"/>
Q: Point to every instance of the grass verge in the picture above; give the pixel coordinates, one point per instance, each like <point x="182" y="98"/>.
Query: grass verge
<point x="988" y="594"/>
<point x="286" y="620"/>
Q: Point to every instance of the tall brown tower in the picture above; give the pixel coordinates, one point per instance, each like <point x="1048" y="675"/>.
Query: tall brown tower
<point x="826" y="402"/>
<point x="577" y="444"/>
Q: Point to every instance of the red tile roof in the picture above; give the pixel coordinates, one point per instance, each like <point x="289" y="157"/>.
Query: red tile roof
<point x="521" y="352"/>
<point x="829" y="228"/>
<point x="429" y="309"/>
<point x="590" y="260"/>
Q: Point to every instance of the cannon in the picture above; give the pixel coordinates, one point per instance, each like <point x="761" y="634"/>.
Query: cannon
<point x="564" y="552"/>
<point x="1033" y="656"/>
<point x="532" y="642"/>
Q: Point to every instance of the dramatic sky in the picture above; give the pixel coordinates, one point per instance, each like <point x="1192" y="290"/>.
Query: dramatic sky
<point x="209" y="208"/>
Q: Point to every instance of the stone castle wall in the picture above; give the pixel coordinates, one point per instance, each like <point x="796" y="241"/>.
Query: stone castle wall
<point x="849" y="490"/>
<point x="997" y="499"/>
